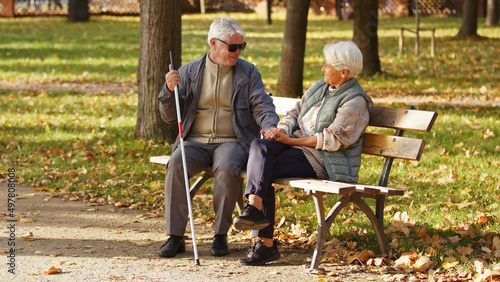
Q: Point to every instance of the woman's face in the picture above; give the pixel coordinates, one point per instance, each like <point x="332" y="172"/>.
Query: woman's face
<point x="333" y="76"/>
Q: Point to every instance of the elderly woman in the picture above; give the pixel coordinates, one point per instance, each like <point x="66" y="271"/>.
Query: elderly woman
<point x="320" y="137"/>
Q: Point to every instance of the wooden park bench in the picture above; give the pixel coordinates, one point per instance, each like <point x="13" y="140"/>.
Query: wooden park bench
<point x="388" y="146"/>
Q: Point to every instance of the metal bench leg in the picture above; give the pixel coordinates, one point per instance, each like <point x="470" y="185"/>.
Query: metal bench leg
<point x="324" y="225"/>
<point x="200" y="181"/>
<point x="240" y="204"/>
<point x="376" y="220"/>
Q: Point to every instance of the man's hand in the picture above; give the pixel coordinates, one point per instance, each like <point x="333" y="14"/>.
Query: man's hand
<point x="272" y="133"/>
<point x="172" y="79"/>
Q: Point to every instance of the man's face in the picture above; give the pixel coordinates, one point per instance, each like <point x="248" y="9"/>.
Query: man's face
<point x="220" y="54"/>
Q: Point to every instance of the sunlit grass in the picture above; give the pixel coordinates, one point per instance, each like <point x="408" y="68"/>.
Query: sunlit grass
<point x="106" y="50"/>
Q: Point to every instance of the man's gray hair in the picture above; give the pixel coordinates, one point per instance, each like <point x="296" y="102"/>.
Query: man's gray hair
<point x="224" y="28"/>
<point x="344" y="55"/>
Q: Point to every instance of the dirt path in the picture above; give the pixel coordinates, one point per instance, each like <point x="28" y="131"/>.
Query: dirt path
<point x="105" y="243"/>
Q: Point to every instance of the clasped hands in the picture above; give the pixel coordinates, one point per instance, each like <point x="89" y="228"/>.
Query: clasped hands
<point x="277" y="134"/>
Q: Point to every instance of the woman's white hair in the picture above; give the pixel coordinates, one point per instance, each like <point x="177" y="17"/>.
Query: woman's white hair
<point x="344" y="55"/>
<point x="224" y="28"/>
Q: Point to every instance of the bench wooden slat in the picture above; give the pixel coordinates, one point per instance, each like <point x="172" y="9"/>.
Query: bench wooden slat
<point x="370" y="189"/>
<point x="337" y="188"/>
<point x="376" y="190"/>
<point x="159" y="159"/>
<point x="393" y="146"/>
<point x="404" y="119"/>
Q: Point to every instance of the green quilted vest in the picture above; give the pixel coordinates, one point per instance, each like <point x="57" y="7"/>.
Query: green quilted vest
<point x="342" y="165"/>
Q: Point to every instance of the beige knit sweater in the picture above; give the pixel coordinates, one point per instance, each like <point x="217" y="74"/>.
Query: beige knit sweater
<point x="213" y="121"/>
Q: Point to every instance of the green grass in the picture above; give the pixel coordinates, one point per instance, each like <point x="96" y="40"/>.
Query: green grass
<point x="83" y="141"/>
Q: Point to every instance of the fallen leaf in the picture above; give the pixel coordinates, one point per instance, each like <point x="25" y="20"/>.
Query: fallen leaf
<point x="423" y="263"/>
<point x="404" y="261"/>
<point x="291" y="195"/>
<point x="488" y="134"/>
<point x="282" y="221"/>
<point x="296" y="230"/>
<point x="449" y="262"/>
<point x="144" y="242"/>
<point x="28" y="237"/>
<point x="362" y="256"/>
<point x="482" y="218"/>
<point x="52" y="270"/>
<point x="478" y="266"/>
<point x="26" y="220"/>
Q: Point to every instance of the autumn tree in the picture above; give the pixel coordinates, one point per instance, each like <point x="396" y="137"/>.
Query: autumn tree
<point x="78" y="10"/>
<point x="293" y="49"/>
<point x="469" y="19"/>
<point x="365" y="34"/>
<point x="160" y="32"/>
<point x="492" y="12"/>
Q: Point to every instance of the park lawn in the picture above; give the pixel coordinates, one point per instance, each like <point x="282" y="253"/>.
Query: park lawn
<point x="82" y="142"/>
<point x="105" y="50"/>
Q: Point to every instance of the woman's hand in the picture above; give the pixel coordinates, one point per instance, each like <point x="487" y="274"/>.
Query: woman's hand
<point x="283" y="138"/>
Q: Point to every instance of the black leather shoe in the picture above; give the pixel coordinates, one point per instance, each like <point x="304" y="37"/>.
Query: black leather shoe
<point x="174" y="245"/>
<point x="258" y="254"/>
<point x="251" y="218"/>
<point x="219" y="246"/>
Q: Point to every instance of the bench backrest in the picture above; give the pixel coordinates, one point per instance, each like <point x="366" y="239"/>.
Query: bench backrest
<point x="388" y="146"/>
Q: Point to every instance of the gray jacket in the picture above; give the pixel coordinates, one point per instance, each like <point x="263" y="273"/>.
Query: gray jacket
<point x="252" y="109"/>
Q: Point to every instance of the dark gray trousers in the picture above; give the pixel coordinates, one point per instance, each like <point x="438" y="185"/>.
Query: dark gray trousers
<point x="227" y="161"/>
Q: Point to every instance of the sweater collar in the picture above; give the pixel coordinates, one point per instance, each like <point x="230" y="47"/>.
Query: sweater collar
<point x="213" y="67"/>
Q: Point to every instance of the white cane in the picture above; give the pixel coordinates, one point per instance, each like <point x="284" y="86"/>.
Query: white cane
<point x="186" y="178"/>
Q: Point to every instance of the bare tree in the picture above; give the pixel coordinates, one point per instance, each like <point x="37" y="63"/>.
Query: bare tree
<point x="78" y="10"/>
<point x="469" y="19"/>
<point x="293" y="49"/>
<point x="365" y="33"/>
<point x="160" y="29"/>
<point x="492" y="12"/>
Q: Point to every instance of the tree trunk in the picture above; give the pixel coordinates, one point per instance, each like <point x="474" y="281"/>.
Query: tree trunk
<point x="469" y="18"/>
<point x="338" y="8"/>
<point x="8" y="8"/>
<point x="78" y="10"/>
<point x="492" y="12"/>
<point x="160" y="29"/>
<point x="365" y="34"/>
<point x="293" y="49"/>
<point x="269" y="11"/>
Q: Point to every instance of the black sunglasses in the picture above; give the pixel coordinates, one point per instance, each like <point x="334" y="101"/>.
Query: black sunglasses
<point x="234" y="47"/>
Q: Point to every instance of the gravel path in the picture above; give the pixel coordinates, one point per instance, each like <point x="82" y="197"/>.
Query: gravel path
<point x="104" y="243"/>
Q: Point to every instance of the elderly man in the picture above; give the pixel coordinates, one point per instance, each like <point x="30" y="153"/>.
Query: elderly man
<point x="224" y="107"/>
